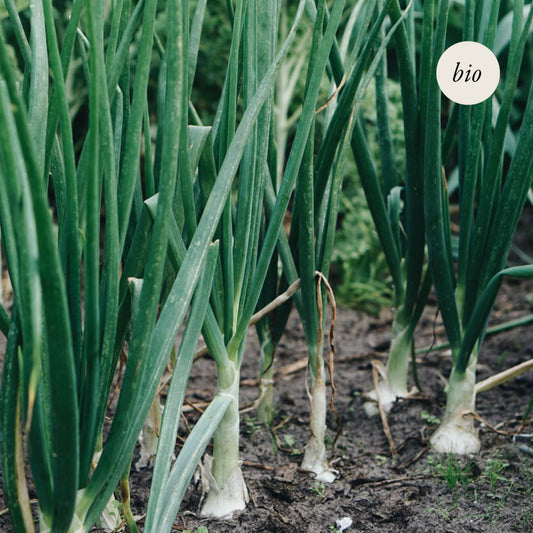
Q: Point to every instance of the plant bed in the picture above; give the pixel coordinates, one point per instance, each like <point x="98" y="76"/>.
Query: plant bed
<point x="416" y="491"/>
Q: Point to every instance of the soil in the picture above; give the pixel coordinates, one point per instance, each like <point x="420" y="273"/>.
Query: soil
<point x="414" y="490"/>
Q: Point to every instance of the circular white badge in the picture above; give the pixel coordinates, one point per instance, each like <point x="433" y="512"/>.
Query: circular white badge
<point x="468" y="72"/>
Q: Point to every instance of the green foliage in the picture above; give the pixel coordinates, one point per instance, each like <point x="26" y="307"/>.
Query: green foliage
<point x="252" y="425"/>
<point x="19" y="4"/>
<point x="494" y="468"/>
<point x="358" y="260"/>
<point x="440" y="511"/>
<point x="369" y="115"/>
<point x="288" y="439"/>
<point x="449" y="468"/>
<point x="96" y="105"/>
<point x="319" y="489"/>
<point x="458" y="473"/>
<point x="430" y="419"/>
<point x="57" y="377"/>
<point x="213" y="58"/>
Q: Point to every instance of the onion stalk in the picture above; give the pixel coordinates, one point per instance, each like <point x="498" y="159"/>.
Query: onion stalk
<point x="399" y="222"/>
<point x="490" y="206"/>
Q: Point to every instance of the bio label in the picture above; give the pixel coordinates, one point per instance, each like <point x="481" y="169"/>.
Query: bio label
<point x="468" y="73"/>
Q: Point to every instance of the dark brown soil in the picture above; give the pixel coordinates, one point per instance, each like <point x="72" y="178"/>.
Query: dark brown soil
<point x="416" y="491"/>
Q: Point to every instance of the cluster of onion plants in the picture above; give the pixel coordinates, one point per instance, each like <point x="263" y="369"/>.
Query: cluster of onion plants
<point x="395" y="201"/>
<point x="176" y="246"/>
<point x="122" y="223"/>
<point x="396" y="204"/>
<point x="243" y="271"/>
<point x="79" y="308"/>
<point x="306" y="253"/>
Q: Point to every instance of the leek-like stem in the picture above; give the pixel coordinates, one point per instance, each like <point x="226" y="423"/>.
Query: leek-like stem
<point x="76" y="525"/>
<point x="150" y="435"/>
<point x="457" y="433"/>
<point x="394" y="383"/>
<point x="227" y="489"/>
<point x="266" y="386"/>
<point x="110" y="519"/>
<point x="315" y="458"/>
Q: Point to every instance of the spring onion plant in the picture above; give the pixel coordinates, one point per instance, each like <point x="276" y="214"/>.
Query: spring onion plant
<point x="288" y="86"/>
<point x="234" y="273"/>
<point x="76" y="306"/>
<point x="60" y="362"/>
<point x="270" y="329"/>
<point x="242" y="270"/>
<point x="238" y="232"/>
<point x="492" y="191"/>
<point x="395" y="201"/>
<point x="316" y="202"/>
